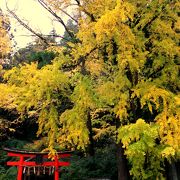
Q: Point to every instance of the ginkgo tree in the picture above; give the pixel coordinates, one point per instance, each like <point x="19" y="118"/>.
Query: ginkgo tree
<point x="124" y="62"/>
<point x="134" y="48"/>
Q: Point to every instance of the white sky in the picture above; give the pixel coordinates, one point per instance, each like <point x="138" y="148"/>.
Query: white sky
<point x="38" y="18"/>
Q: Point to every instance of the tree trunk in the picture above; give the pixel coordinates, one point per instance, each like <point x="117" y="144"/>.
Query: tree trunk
<point x="123" y="173"/>
<point x="172" y="171"/>
<point x="91" y="151"/>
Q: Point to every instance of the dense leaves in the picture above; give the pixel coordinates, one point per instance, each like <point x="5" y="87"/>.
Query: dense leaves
<point x="117" y="80"/>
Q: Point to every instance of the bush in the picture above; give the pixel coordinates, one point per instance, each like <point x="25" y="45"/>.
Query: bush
<point x="102" y="165"/>
<point x="10" y="174"/>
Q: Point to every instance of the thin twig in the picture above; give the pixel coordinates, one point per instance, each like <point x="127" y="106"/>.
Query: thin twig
<point x="44" y="5"/>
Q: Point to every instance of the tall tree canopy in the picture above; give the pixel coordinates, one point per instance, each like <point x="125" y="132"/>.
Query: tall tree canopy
<point x="124" y="62"/>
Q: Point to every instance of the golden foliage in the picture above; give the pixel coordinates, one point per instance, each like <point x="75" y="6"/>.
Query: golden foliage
<point x="5" y="45"/>
<point x="168" y="118"/>
<point x="129" y="53"/>
<point x="36" y="91"/>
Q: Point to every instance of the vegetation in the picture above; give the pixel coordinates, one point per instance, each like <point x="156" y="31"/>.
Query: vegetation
<point x="115" y="82"/>
<point x="4" y="36"/>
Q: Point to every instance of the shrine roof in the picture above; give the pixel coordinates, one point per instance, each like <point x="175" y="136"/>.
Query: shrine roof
<point x="20" y="151"/>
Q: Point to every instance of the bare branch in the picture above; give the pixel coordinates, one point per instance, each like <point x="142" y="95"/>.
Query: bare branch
<point x="44" y="5"/>
<point x="78" y="2"/>
<point x="40" y="36"/>
<point x="56" y="36"/>
<point x="85" y="11"/>
<point x="68" y="15"/>
<point x="34" y="33"/>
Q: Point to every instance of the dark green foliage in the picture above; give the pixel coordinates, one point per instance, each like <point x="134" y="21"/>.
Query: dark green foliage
<point x="102" y="165"/>
<point x="43" y="58"/>
<point x="9" y="173"/>
<point x="15" y="143"/>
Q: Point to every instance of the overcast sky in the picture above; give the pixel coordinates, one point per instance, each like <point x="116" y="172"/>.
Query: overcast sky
<point x="37" y="17"/>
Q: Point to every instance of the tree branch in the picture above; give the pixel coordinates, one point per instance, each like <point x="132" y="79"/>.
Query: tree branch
<point x="78" y="2"/>
<point x="44" y="5"/>
<point x="47" y="35"/>
<point x="80" y="60"/>
<point x="85" y="11"/>
<point x="68" y="15"/>
<point x="40" y="36"/>
<point x="34" y="33"/>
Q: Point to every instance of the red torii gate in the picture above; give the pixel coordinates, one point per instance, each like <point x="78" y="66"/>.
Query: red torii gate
<point x="38" y="161"/>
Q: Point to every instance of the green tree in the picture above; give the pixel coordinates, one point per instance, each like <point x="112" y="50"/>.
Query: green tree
<point x="66" y="37"/>
<point x="35" y="51"/>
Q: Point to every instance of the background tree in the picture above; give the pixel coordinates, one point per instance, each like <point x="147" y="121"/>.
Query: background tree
<point x="34" y="52"/>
